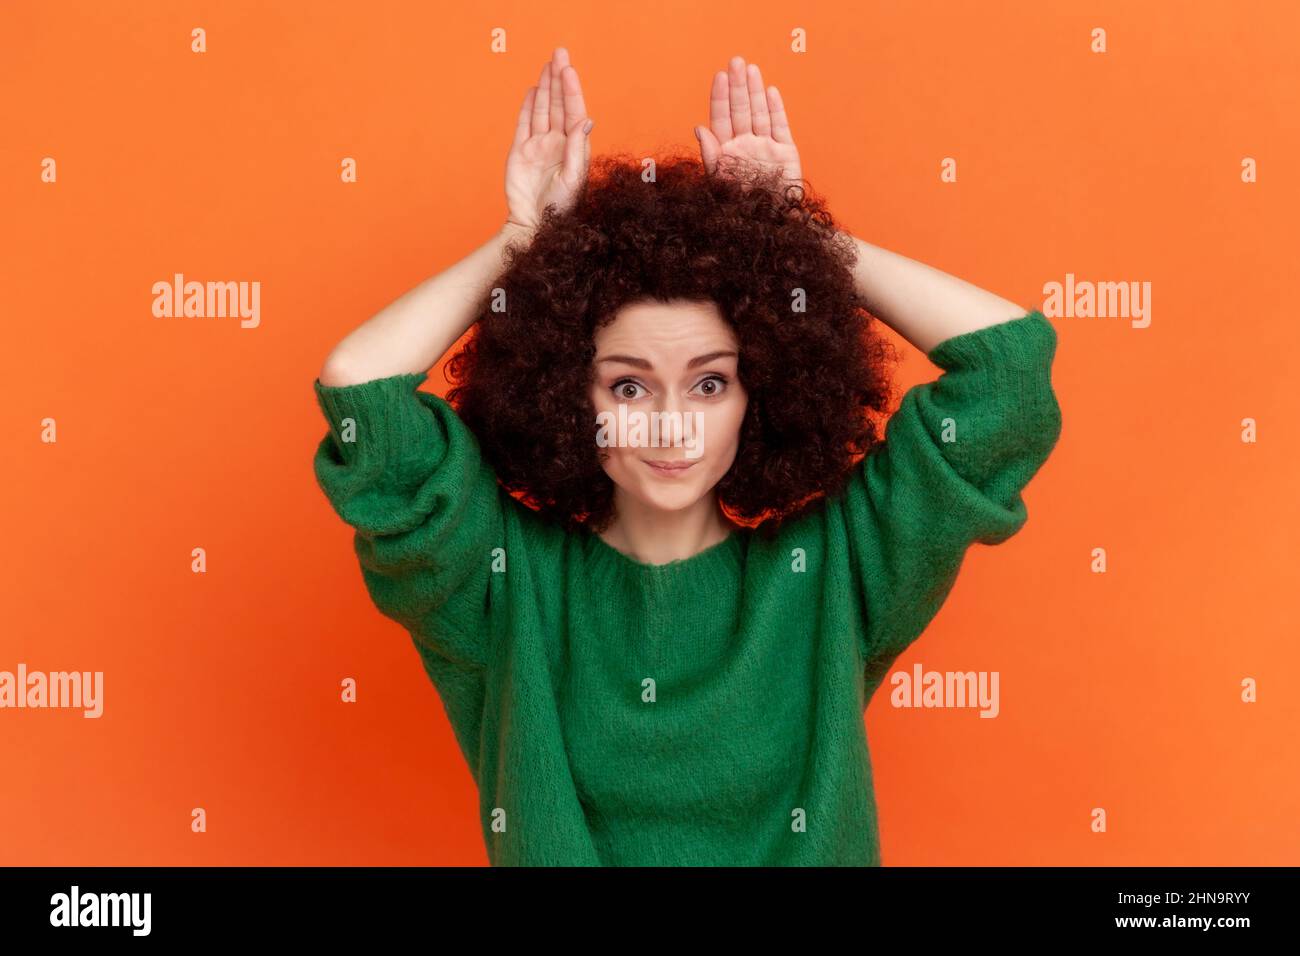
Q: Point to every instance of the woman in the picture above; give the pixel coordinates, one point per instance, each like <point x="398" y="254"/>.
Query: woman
<point x="660" y="654"/>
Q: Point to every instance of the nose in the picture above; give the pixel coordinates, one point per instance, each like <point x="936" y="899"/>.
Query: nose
<point x="670" y="402"/>
<point x="673" y="414"/>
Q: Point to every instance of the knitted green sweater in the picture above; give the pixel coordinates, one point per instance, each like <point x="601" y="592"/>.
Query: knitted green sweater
<point x="708" y="711"/>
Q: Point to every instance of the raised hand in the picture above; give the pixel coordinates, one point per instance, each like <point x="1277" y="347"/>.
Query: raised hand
<point x="551" y="151"/>
<point x="748" y="122"/>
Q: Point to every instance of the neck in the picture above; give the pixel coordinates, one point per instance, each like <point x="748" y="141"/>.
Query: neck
<point x="653" y="536"/>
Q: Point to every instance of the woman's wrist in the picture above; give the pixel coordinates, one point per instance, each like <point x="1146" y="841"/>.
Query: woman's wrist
<point x="513" y="229"/>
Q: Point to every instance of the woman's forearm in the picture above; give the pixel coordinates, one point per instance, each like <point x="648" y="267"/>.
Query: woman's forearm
<point x="414" y="331"/>
<point x="921" y="303"/>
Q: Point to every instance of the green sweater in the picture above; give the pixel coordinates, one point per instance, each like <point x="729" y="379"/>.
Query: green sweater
<point x="709" y="711"/>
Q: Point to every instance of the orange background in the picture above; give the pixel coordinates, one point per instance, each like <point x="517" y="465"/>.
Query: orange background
<point x="1119" y="690"/>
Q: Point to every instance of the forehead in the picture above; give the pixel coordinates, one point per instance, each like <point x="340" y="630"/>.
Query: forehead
<point x="666" y="328"/>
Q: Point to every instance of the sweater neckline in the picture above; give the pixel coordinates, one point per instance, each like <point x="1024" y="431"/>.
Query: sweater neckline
<point x="716" y="557"/>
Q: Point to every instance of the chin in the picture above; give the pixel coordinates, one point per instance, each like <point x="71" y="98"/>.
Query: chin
<point x="677" y="500"/>
<point x="667" y="495"/>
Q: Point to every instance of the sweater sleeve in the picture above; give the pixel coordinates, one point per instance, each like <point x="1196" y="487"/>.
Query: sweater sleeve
<point x="400" y="467"/>
<point x="957" y="455"/>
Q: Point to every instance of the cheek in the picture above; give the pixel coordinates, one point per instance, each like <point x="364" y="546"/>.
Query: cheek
<point x="603" y="404"/>
<point x="616" y="460"/>
<point x="722" y="433"/>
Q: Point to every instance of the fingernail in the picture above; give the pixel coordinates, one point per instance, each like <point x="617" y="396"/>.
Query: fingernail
<point x="697" y="134"/>
<point x="586" y="127"/>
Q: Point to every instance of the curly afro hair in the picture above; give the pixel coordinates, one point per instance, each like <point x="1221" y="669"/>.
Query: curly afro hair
<point x="816" y="377"/>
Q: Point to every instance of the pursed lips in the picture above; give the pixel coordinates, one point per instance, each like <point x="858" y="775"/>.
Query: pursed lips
<point x="669" y="467"/>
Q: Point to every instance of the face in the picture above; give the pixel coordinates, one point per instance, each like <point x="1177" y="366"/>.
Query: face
<point x="672" y="367"/>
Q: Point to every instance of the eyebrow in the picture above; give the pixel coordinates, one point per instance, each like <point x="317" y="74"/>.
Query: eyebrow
<point x="642" y="363"/>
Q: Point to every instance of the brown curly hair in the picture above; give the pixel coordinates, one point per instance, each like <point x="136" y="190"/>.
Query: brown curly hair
<point x="816" y="379"/>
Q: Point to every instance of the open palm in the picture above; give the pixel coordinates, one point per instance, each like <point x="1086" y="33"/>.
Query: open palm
<point x="747" y="122"/>
<point x="551" y="151"/>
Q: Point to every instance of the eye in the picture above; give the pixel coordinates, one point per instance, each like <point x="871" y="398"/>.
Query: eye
<point x="711" y="385"/>
<point x="625" y="388"/>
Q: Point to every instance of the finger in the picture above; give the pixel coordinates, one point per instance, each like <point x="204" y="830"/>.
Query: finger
<point x="758" y="101"/>
<point x="558" y="62"/>
<point x="720" y="107"/>
<point x="575" y="108"/>
<point x="710" y="148"/>
<point x="575" y="154"/>
<point x="524" y="128"/>
<point x="780" y="125"/>
<point x="740" y="116"/>
<point x="586" y="153"/>
<point x="542" y="102"/>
